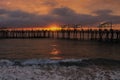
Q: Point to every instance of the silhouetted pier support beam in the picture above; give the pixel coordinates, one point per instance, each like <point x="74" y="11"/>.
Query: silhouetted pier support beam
<point x="117" y="35"/>
<point x="63" y="34"/>
<point x="68" y="34"/>
<point x="82" y="34"/>
<point x="106" y="34"/>
<point x="112" y="34"/>
<point x="57" y="34"/>
<point x="74" y="33"/>
<point x="100" y="35"/>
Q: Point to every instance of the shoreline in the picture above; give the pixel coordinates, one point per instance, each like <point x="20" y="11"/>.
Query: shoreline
<point x="70" y="69"/>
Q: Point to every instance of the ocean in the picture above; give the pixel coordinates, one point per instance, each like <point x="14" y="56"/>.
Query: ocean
<point x="53" y="59"/>
<point x="57" y="49"/>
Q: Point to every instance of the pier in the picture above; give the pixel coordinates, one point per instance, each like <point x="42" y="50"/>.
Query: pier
<point x="74" y="32"/>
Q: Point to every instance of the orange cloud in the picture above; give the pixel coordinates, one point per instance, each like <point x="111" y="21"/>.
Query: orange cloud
<point x="40" y="12"/>
<point x="31" y="6"/>
<point x="44" y="6"/>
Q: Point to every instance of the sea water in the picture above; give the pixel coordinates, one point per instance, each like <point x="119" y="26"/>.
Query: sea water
<point x="52" y="59"/>
<point x="57" y="49"/>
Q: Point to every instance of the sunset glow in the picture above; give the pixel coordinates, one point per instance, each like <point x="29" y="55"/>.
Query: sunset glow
<point x="54" y="28"/>
<point x="17" y="13"/>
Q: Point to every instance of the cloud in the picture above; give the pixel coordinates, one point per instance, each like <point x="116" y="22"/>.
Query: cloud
<point x="44" y="6"/>
<point x="49" y="3"/>
<point x="106" y="15"/>
<point x="3" y="11"/>
<point x="67" y="16"/>
<point x="63" y="15"/>
<point x="64" y="11"/>
<point x="103" y="12"/>
<point x="19" y="18"/>
<point x="31" y="6"/>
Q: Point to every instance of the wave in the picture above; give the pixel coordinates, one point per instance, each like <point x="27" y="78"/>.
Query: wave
<point x="66" y="69"/>
<point x="63" y="62"/>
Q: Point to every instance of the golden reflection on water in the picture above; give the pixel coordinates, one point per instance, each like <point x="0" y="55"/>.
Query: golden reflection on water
<point x="55" y="53"/>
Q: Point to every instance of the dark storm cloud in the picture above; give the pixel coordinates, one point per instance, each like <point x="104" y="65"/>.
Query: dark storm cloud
<point x="106" y="15"/>
<point x="14" y="14"/>
<point x="3" y="11"/>
<point x="19" y="18"/>
<point x="62" y="15"/>
<point x="103" y="12"/>
<point x="63" y="12"/>
<point x="66" y="15"/>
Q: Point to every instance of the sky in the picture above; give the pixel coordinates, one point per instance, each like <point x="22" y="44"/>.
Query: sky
<point x="23" y="13"/>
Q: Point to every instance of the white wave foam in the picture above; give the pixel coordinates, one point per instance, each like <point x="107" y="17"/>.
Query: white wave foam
<point x="48" y="61"/>
<point x="55" y="72"/>
<point x="35" y="61"/>
<point x="6" y="62"/>
<point x="58" y="73"/>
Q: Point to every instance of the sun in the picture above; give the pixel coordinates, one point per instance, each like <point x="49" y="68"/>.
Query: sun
<point x="54" y="28"/>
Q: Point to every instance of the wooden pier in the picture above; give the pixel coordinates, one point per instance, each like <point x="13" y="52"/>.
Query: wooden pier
<point x="75" y="33"/>
<point x="89" y="34"/>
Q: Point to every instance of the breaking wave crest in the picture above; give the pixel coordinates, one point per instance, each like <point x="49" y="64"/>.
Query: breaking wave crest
<point x="67" y="69"/>
<point x="64" y="62"/>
